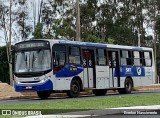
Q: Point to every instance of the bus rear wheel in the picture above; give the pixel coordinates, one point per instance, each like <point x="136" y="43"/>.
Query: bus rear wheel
<point x="99" y="92"/>
<point x="43" y="94"/>
<point x="127" y="87"/>
<point x="74" y="89"/>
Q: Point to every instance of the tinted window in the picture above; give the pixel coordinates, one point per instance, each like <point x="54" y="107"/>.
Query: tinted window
<point x="74" y="55"/>
<point x="101" y="57"/>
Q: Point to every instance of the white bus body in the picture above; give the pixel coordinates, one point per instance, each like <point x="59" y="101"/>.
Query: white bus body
<point x="47" y="66"/>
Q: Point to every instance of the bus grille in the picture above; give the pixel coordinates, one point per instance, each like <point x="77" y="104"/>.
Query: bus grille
<point x="30" y="82"/>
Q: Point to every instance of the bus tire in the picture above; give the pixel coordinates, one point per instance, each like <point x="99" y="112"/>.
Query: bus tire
<point x="74" y="89"/>
<point x="43" y="94"/>
<point x="99" y="92"/>
<point x="127" y="87"/>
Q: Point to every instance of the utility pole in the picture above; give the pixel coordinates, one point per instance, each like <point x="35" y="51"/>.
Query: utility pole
<point x="139" y="40"/>
<point x="78" y="31"/>
<point x="155" y="52"/>
<point x="155" y="41"/>
<point x="9" y="44"/>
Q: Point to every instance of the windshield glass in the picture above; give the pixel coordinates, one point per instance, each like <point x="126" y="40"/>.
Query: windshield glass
<point x="32" y="61"/>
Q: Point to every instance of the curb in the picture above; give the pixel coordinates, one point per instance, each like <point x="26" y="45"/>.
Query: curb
<point x="136" y="110"/>
<point x="110" y="111"/>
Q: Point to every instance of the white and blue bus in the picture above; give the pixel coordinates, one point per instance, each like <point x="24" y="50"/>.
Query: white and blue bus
<point x="47" y="66"/>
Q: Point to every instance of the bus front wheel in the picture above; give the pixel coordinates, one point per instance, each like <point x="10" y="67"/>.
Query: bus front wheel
<point x="127" y="87"/>
<point x="74" y="89"/>
<point x="43" y="94"/>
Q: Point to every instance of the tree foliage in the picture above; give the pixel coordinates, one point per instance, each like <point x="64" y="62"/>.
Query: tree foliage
<point x="38" y="31"/>
<point x="105" y="21"/>
<point x="4" y="69"/>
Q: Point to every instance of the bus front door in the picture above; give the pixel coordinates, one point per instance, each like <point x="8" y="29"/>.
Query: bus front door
<point x="114" y="71"/>
<point x="89" y="68"/>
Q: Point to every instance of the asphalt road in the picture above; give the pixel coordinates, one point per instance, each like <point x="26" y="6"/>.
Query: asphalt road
<point x="26" y="101"/>
<point x="121" y="115"/>
<point x="126" y="116"/>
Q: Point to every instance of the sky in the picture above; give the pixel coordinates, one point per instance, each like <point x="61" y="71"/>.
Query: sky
<point x="31" y="4"/>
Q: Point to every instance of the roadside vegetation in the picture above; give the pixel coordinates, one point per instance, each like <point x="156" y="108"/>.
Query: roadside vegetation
<point x="114" y="22"/>
<point x="92" y="103"/>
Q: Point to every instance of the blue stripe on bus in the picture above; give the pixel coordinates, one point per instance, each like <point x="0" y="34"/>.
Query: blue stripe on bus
<point x="48" y="85"/>
<point x="134" y="71"/>
<point x="70" y="70"/>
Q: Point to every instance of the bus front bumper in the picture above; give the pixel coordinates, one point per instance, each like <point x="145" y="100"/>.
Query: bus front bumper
<point x="28" y="87"/>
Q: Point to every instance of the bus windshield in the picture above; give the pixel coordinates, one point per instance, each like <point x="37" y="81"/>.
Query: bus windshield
<point x="32" y="61"/>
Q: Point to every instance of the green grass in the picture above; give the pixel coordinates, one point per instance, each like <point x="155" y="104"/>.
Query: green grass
<point x="93" y="103"/>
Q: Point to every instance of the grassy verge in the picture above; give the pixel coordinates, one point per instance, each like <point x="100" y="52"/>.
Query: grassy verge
<point x="93" y="103"/>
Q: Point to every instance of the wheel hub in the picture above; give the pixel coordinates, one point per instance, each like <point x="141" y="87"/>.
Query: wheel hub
<point x="74" y="88"/>
<point x="128" y="86"/>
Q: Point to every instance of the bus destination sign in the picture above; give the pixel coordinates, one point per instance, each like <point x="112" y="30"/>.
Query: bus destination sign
<point x="31" y="45"/>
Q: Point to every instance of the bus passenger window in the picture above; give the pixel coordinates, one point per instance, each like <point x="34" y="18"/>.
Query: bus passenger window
<point x="60" y="58"/>
<point x="142" y="58"/>
<point x="125" y="57"/>
<point x="136" y="55"/>
<point x="74" y="55"/>
<point x="101" y="57"/>
<point x="114" y="59"/>
<point x="109" y="58"/>
<point x="148" y="58"/>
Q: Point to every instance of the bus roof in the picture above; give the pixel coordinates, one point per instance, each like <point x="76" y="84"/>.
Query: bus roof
<point x="114" y="46"/>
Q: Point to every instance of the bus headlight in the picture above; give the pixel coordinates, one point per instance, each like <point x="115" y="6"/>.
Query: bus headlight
<point x="44" y="80"/>
<point x="16" y="81"/>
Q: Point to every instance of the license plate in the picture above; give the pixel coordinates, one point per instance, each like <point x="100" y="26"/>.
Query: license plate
<point x="28" y="87"/>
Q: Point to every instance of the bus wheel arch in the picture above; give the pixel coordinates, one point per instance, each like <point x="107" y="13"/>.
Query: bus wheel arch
<point x="128" y="85"/>
<point x="75" y="87"/>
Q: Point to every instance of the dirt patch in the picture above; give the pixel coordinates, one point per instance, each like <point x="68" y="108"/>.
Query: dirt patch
<point x="7" y="91"/>
<point x="34" y="94"/>
<point x="153" y="87"/>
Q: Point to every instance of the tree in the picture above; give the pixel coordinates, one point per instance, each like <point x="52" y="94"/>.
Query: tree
<point x="4" y="69"/>
<point x="6" y="27"/>
<point x="24" y="29"/>
<point x="38" y="31"/>
<point x="61" y="27"/>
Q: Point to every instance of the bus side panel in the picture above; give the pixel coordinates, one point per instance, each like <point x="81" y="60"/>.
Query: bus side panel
<point x="102" y="77"/>
<point x="64" y="77"/>
<point x="88" y="78"/>
<point x="135" y="72"/>
<point x="90" y="73"/>
<point x="62" y="83"/>
<point x="147" y="79"/>
<point x="122" y="79"/>
<point x="137" y="81"/>
<point x="85" y="78"/>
